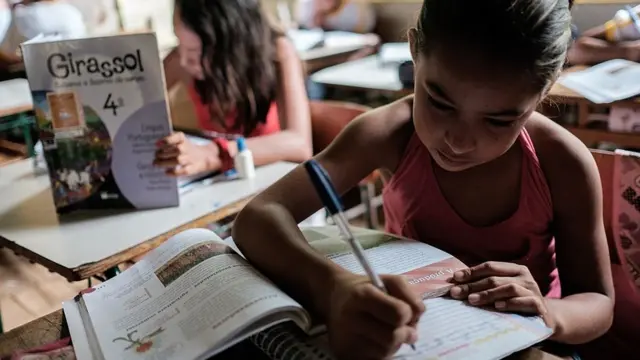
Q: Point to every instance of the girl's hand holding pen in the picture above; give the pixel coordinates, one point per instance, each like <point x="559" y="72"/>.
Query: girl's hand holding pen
<point x="366" y="323"/>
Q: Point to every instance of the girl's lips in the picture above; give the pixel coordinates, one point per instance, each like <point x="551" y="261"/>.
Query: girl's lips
<point x="452" y="158"/>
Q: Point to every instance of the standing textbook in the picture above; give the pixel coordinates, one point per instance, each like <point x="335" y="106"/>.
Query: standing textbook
<point x="195" y="296"/>
<point x="100" y="107"/>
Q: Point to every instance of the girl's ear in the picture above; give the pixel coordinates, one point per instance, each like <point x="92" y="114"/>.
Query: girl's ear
<point x="412" y="35"/>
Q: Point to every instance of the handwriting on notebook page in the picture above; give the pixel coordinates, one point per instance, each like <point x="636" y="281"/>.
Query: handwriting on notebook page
<point x="451" y="329"/>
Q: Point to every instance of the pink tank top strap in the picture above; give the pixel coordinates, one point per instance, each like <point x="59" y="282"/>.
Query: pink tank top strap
<point x="534" y="180"/>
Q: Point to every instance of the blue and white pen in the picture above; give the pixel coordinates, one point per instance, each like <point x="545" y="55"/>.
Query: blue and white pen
<point x="331" y="200"/>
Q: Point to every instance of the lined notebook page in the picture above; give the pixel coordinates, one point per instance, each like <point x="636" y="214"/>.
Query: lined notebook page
<point x="450" y="329"/>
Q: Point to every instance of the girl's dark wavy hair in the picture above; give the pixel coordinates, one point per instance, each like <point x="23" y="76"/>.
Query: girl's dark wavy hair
<point x="238" y="59"/>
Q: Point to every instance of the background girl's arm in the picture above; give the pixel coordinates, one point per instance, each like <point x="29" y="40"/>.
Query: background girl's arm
<point x="293" y="142"/>
<point x="586" y="309"/>
<point x="266" y="230"/>
<point x="592" y="48"/>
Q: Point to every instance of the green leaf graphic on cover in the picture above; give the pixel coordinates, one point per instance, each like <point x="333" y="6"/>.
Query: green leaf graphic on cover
<point x="141" y="345"/>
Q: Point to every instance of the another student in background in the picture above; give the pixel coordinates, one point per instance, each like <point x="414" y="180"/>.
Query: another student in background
<point x="618" y="38"/>
<point x="9" y="42"/>
<point x="345" y="15"/>
<point x="357" y="16"/>
<point x="26" y="19"/>
<point x="473" y="169"/>
<point x="35" y="17"/>
<point x="246" y="80"/>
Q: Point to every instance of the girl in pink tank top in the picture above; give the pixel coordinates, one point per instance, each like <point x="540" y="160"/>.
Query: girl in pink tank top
<point x="415" y="208"/>
<point x="471" y="168"/>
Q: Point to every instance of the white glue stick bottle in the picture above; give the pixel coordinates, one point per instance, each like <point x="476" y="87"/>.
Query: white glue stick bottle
<point x="243" y="161"/>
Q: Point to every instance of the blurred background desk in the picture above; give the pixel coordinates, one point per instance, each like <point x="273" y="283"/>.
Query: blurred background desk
<point x="85" y="244"/>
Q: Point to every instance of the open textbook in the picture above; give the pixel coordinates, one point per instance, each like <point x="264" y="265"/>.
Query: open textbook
<point x="195" y="296"/>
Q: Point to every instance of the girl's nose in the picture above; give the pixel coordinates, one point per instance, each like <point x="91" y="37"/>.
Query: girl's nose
<point x="460" y="140"/>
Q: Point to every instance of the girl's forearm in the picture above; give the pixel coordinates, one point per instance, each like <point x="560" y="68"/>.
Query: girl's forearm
<point x="284" y="256"/>
<point x="580" y="318"/>
<point x="282" y="146"/>
<point x="589" y="51"/>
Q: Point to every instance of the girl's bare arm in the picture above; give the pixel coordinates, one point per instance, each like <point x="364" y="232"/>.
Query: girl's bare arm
<point x="586" y="309"/>
<point x="266" y="230"/>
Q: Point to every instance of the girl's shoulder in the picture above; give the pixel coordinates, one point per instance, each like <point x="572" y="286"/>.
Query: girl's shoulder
<point x="563" y="157"/>
<point x="385" y="131"/>
<point x="553" y="142"/>
<point x="392" y="122"/>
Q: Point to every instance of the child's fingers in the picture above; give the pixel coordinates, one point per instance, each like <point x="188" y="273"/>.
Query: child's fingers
<point x="173" y="139"/>
<point x="398" y="288"/>
<point x="463" y="290"/>
<point x="490" y="296"/>
<point x="180" y="160"/>
<point x="487" y="269"/>
<point x="167" y="153"/>
<point x="525" y="304"/>
<point x="387" y="338"/>
<point x="385" y="308"/>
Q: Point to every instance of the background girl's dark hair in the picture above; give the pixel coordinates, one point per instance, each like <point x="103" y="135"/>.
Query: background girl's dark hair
<point x="238" y="59"/>
<point x="533" y="35"/>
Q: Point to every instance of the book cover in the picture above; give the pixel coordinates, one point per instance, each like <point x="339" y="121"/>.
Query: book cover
<point x="100" y="107"/>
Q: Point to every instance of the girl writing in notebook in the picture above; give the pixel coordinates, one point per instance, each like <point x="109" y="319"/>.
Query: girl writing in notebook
<point x="470" y="168"/>
<point x="246" y="79"/>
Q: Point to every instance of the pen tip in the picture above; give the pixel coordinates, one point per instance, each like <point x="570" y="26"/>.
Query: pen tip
<point x="413" y="347"/>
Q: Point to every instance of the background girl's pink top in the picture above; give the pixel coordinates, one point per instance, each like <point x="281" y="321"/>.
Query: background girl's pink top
<point x="415" y="208"/>
<point x="270" y="126"/>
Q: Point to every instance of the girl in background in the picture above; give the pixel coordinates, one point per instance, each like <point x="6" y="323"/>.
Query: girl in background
<point x="473" y="169"/>
<point x="22" y="20"/>
<point x="345" y="15"/>
<point x="245" y="79"/>
<point x="618" y="38"/>
<point x="9" y="42"/>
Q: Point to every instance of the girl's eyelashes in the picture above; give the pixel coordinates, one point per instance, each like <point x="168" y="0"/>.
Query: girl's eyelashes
<point x="438" y="105"/>
<point x="501" y="123"/>
<point x="445" y="107"/>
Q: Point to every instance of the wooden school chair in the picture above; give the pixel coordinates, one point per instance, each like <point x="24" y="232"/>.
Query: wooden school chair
<point x="621" y="225"/>
<point x="328" y="118"/>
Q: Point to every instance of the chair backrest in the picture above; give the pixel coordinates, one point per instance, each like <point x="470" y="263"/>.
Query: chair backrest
<point x="621" y="219"/>
<point x="328" y="118"/>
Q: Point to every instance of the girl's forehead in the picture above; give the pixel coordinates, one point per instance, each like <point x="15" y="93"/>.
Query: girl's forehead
<point x="186" y="36"/>
<point x="482" y="78"/>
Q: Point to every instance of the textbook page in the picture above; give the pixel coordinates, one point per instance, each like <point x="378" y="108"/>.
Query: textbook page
<point x="191" y="297"/>
<point x="426" y="268"/>
<point x="452" y="330"/>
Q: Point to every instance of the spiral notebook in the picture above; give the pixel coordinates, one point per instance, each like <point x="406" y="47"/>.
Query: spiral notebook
<point x="449" y="329"/>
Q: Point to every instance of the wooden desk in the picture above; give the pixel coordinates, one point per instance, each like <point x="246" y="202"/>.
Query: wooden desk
<point x="84" y="244"/>
<point x="363" y="74"/>
<point x="559" y="94"/>
<point x="53" y="327"/>
<point x="15" y="102"/>
<point x="15" y="97"/>
<point x="337" y="53"/>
